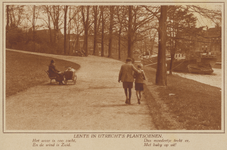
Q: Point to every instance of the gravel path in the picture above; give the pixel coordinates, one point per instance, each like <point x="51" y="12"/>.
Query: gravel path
<point x="96" y="102"/>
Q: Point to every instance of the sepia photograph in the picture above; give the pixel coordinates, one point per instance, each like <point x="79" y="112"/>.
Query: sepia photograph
<point x="108" y="70"/>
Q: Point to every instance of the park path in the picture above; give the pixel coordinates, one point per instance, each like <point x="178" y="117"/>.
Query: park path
<point x="96" y="102"/>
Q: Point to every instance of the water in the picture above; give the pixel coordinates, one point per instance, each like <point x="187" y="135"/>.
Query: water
<point x="214" y="79"/>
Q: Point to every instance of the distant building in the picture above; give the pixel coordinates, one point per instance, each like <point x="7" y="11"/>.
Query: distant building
<point x="210" y="42"/>
<point x="77" y="43"/>
<point x="213" y="38"/>
<point x="204" y="41"/>
<point x="44" y="35"/>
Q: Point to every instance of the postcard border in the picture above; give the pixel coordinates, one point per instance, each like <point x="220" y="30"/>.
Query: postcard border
<point x="151" y="131"/>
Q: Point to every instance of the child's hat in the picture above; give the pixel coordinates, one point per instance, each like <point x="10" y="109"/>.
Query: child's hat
<point x="128" y="59"/>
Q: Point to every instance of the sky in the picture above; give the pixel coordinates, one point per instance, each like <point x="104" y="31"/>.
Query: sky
<point x="204" y="21"/>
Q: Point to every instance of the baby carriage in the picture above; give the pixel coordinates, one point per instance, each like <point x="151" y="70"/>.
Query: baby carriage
<point x="70" y="74"/>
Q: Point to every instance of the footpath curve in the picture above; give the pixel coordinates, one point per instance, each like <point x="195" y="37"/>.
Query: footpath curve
<point x="96" y="102"/>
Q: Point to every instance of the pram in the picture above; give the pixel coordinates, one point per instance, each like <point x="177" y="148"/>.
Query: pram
<point x="70" y="74"/>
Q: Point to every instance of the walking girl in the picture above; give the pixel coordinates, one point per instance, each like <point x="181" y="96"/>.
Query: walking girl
<point x="139" y="81"/>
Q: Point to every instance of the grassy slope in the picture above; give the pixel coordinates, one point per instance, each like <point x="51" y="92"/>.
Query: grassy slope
<point x="195" y="105"/>
<point x="26" y="70"/>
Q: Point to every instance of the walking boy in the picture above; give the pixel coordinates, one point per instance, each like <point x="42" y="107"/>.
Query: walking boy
<point x="126" y="76"/>
<point x="139" y="80"/>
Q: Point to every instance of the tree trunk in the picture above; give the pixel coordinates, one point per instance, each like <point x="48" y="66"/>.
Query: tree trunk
<point x="85" y="43"/>
<point x="172" y="48"/>
<point x="33" y="27"/>
<point x="69" y="29"/>
<point x="86" y="32"/>
<point x="56" y="10"/>
<point x="95" y="29"/>
<point x="171" y="52"/>
<point x="51" y="42"/>
<point x="86" y="27"/>
<point x="65" y="20"/>
<point x="54" y="23"/>
<point x="130" y="54"/>
<point x="152" y="46"/>
<point x="110" y="31"/>
<point x="77" y="42"/>
<point x="11" y="17"/>
<point x="7" y="14"/>
<point x="171" y="63"/>
<point x="103" y="24"/>
<point x="119" y="44"/>
<point x="161" y="78"/>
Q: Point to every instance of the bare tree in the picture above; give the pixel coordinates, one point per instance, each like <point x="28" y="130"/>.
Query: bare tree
<point x="7" y="18"/>
<point x="65" y="20"/>
<point x="121" y="14"/>
<point x="103" y="27"/>
<point x="182" y="20"/>
<point x="73" y="23"/>
<point x="78" y="26"/>
<point x="46" y="9"/>
<point x="130" y="53"/>
<point x="33" y="26"/>
<point x="69" y="29"/>
<point x="15" y="17"/>
<point x="111" y="8"/>
<point x="139" y="22"/>
<point x="87" y="24"/>
<point x="54" y="16"/>
<point x="213" y="15"/>
<point x="161" y="64"/>
<point x="96" y="18"/>
<point x="179" y="20"/>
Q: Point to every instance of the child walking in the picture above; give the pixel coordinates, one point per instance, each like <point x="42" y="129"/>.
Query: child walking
<point x="139" y="81"/>
<point x="126" y="77"/>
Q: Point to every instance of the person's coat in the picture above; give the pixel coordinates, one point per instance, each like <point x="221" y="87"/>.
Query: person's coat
<point x="140" y="77"/>
<point x="126" y="73"/>
<point x="53" y="72"/>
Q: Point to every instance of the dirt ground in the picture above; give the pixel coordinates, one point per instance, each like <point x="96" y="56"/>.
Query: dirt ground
<point x="95" y="102"/>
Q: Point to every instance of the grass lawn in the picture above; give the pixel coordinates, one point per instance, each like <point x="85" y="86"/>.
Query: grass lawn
<point x="183" y="103"/>
<point x="194" y="105"/>
<point x="26" y="70"/>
